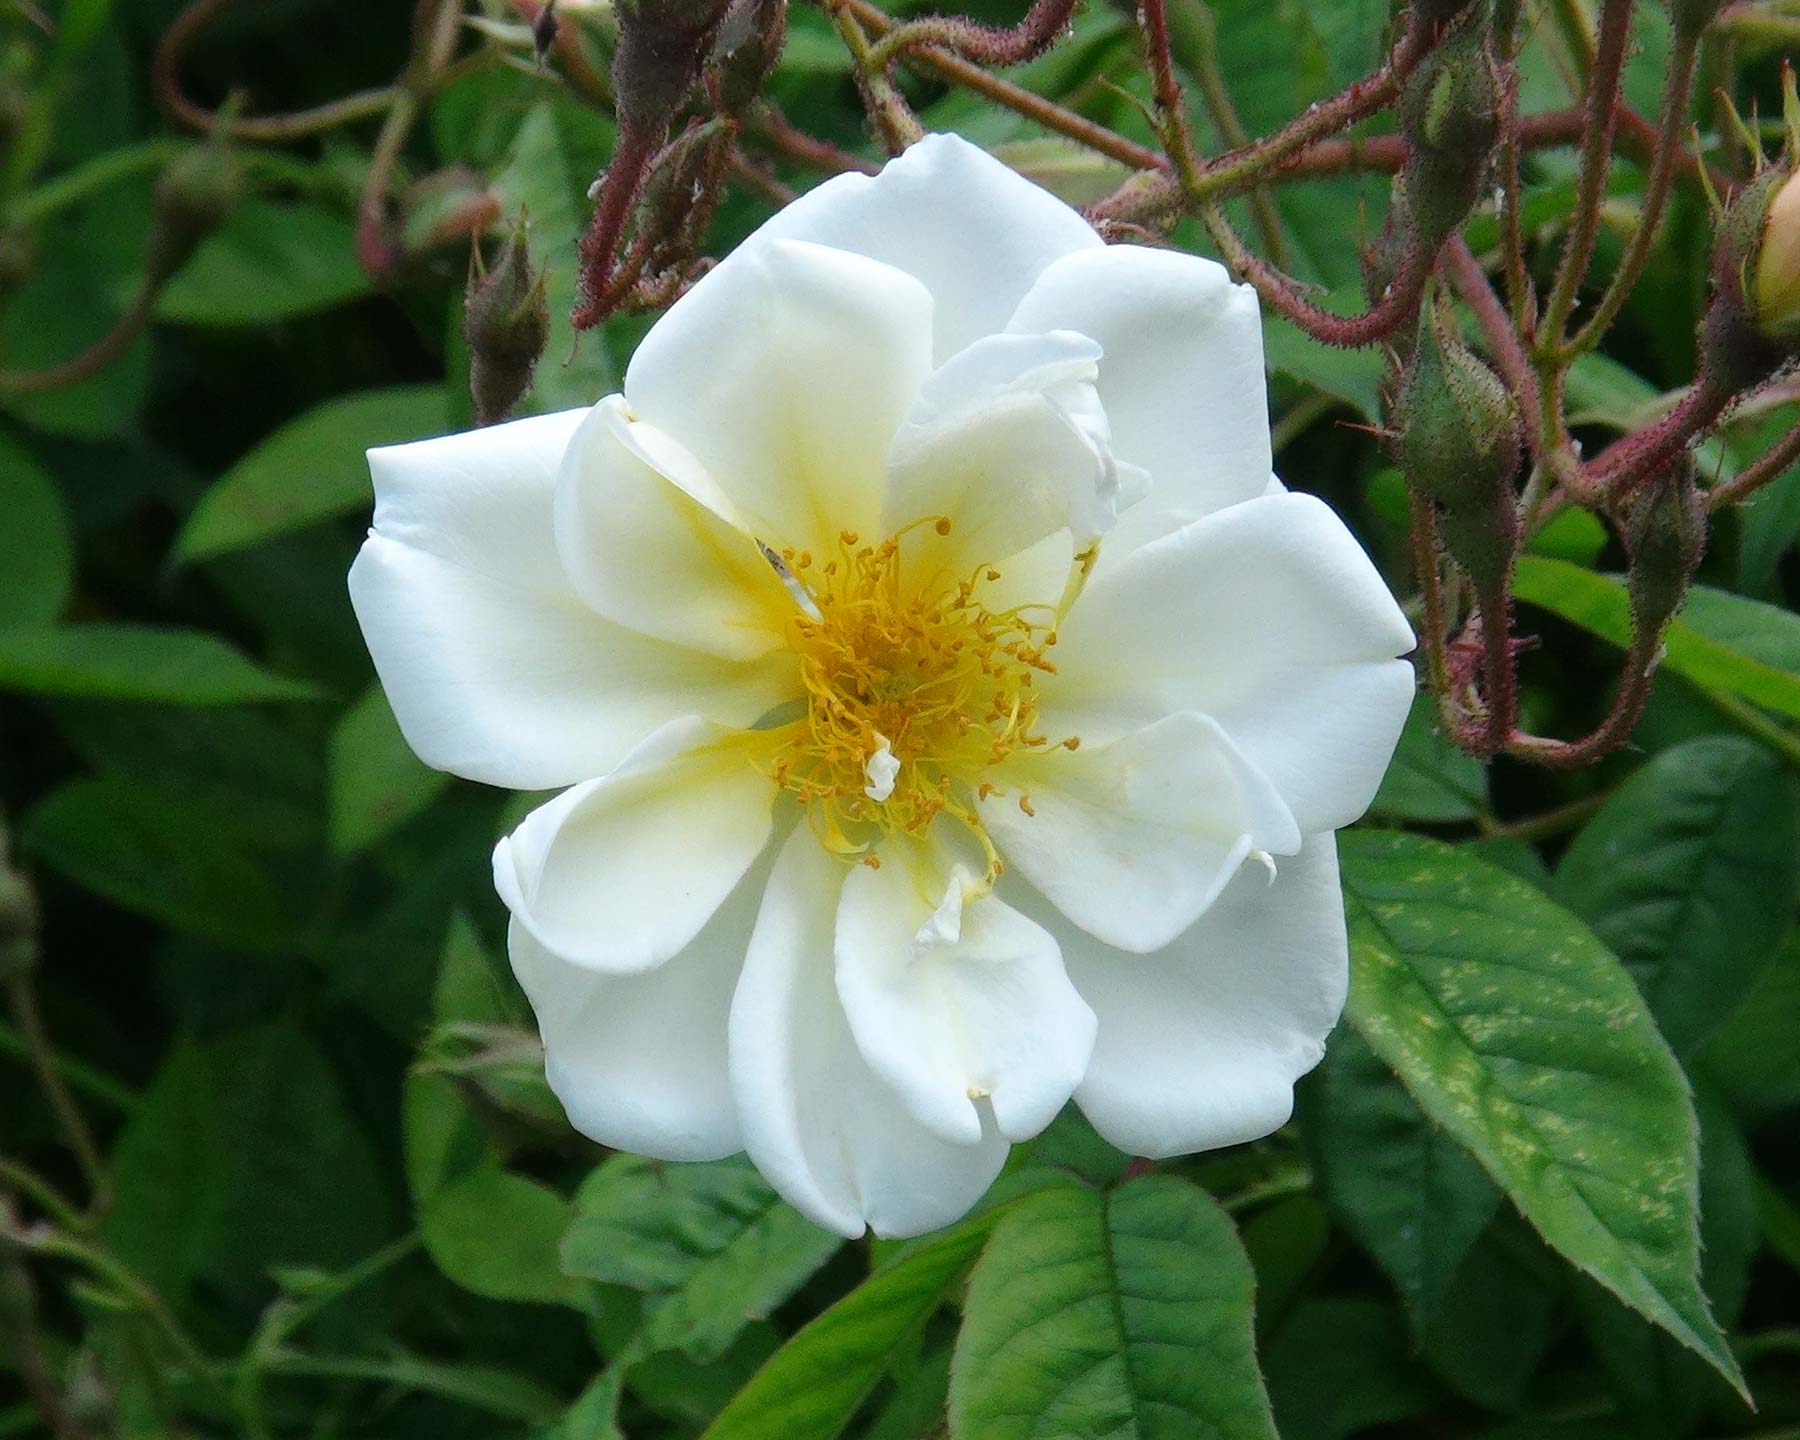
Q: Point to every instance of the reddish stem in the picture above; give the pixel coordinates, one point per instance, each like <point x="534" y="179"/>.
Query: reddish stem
<point x="599" y="247"/>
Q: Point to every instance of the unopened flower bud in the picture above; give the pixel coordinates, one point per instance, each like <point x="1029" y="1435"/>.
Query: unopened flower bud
<point x="506" y="321"/>
<point x="1450" y="116"/>
<point x="662" y="46"/>
<point x="1457" y="441"/>
<point x="746" y="49"/>
<point x="196" y="193"/>
<point x="449" y="205"/>
<point x="1777" y="286"/>
<point x="1665" y="536"/>
<point x="18" y="919"/>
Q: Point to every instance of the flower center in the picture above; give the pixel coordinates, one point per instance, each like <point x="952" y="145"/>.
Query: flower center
<point x="910" y="695"/>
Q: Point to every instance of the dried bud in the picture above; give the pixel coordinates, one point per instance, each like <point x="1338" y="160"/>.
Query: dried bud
<point x="1457" y="441"/>
<point x="746" y="49"/>
<point x="18" y="919"/>
<point x="506" y="321"/>
<point x="196" y="193"/>
<point x="662" y="46"/>
<point x="1450" y="116"/>
<point x="1665" y="536"/>
<point x="1776" y="290"/>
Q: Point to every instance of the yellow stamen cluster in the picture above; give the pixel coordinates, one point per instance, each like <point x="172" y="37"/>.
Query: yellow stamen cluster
<point x="947" y="682"/>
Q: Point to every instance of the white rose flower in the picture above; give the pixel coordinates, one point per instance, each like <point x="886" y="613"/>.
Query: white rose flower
<point x="956" y="712"/>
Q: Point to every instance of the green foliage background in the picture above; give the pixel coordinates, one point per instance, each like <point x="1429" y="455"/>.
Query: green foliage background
<point x="1545" y="1186"/>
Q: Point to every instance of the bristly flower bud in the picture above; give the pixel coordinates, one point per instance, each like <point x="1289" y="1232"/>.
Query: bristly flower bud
<point x="196" y="193"/>
<point x="1741" y="343"/>
<point x="1450" y="116"/>
<point x="506" y="321"/>
<point x="662" y="46"/>
<point x="1457" y="441"/>
<point x="746" y="49"/>
<point x="1665" y="536"/>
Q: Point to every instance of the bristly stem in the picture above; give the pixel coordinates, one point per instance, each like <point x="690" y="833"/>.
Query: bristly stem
<point x="894" y="121"/>
<point x="21" y="996"/>
<point x="1596" y="160"/>
<point x="1758" y="473"/>
<point x="984" y="44"/>
<point x="1615" y="729"/>
<point x="625" y="172"/>
<point x="1677" y="86"/>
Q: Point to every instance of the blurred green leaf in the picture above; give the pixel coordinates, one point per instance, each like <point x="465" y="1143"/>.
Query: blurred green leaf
<point x="148" y="853"/>
<point x="714" y="1245"/>
<point x="1752" y="1057"/>
<point x="1515" y="1030"/>
<point x="496" y="1234"/>
<point x="1406" y="1189"/>
<point x="1718" y="641"/>
<point x="136" y="662"/>
<point x="266" y="264"/>
<point x="37" y="549"/>
<point x="1429" y="779"/>
<point x="313" y="468"/>
<point x="377" y="783"/>
<point x="1690" y="874"/>
<point x="1342" y="1366"/>
<point x="1125" y="1313"/>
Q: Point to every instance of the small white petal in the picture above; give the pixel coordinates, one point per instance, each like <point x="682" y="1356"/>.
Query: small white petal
<point x="1267" y="617"/>
<point x="974" y="231"/>
<point x="822" y="1129"/>
<point x="953" y="998"/>
<point x="880" y="770"/>
<point x="1200" y="1043"/>
<point x="496" y="668"/>
<point x="1134" y="839"/>
<point x="1182" y="382"/>
<point x="622" y="872"/>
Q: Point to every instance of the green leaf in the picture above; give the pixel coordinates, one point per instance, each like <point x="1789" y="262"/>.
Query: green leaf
<point x="1353" y="376"/>
<point x="243" y="1158"/>
<point x="1752" y="1057"/>
<point x="1719" y="641"/>
<point x="311" y="469"/>
<point x="266" y="264"/>
<point x="377" y="783"/>
<point x="817" y="1381"/>
<point x="1517" y="1032"/>
<point x="1429" y="779"/>
<point x="1125" y="1314"/>
<point x="1340" y="1367"/>
<point x="496" y="1234"/>
<point x="1407" y="1190"/>
<point x="1690" y="874"/>
<point x="712" y="1242"/>
<point x="37" y="550"/>
<point x="149" y="853"/>
<point x="136" y="662"/>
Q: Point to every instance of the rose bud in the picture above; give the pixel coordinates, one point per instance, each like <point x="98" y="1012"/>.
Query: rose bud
<point x="507" y="324"/>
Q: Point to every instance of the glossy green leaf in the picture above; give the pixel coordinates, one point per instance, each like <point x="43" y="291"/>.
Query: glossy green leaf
<point x="712" y="1243"/>
<point x="377" y="783"/>
<point x="1412" y="1196"/>
<point x="1429" y="779"/>
<point x="816" y="1382"/>
<point x="313" y="468"/>
<point x="1690" y="874"/>
<point x="37" y="550"/>
<point x="1127" y="1313"/>
<point x="1720" y="642"/>
<point x="1517" y="1031"/>
<point x="136" y="662"/>
<point x="266" y="264"/>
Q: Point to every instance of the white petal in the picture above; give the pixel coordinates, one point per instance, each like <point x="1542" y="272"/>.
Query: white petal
<point x="1182" y="381"/>
<point x="1269" y="618"/>
<point x="1200" y="1044"/>
<point x="975" y="232"/>
<point x="1008" y="441"/>
<point x="496" y="668"/>
<point x="1134" y="839"/>
<point x="822" y="1129"/>
<point x="622" y="872"/>
<point x="955" y="999"/>
<point x="785" y="373"/>
<point x="638" y="1061"/>
<point x="644" y="535"/>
